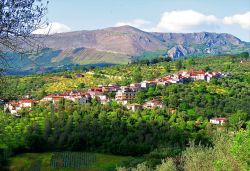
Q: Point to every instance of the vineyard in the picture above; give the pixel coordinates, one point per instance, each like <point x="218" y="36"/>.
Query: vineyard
<point x="72" y="160"/>
<point x="66" y="161"/>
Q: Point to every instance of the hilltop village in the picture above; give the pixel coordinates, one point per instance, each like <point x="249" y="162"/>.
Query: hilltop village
<point x="123" y="94"/>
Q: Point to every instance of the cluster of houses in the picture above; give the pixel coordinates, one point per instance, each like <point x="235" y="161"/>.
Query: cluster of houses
<point x="123" y="94"/>
<point x="14" y="106"/>
<point x="75" y="96"/>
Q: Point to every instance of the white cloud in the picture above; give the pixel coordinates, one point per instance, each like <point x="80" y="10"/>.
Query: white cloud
<point x="186" y="21"/>
<point x="135" y="23"/>
<point x="52" y="28"/>
<point x="242" y="19"/>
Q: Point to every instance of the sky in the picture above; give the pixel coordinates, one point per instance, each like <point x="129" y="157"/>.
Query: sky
<point x="180" y="16"/>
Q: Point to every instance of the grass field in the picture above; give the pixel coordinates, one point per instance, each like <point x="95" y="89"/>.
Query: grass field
<point x="43" y="162"/>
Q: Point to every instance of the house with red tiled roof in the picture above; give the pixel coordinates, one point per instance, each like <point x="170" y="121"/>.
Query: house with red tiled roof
<point x="46" y="98"/>
<point x="218" y="121"/>
<point x="197" y="74"/>
<point x="26" y="103"/>
<point x="51" y="98"/>
<point x="110" y="88"/>
<point x="95" y="91"/>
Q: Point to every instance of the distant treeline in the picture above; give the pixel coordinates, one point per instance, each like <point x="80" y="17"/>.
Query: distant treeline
<point x="151" y="61"/>
<point x="154" y="60"/>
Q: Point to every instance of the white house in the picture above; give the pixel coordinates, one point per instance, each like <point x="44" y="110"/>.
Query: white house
<point x="51" y="98"/>
<point x="135" y="86"/>
<point x="134" y="107"/>
<point x="26" y="103"/>
<point x="103" y="99"/>
<point x="76" y="99"/>
<point x="153" y="104"/>
<point x="126" y="93"/>
<point x="147" y="84"/>
<point x="218" y="121"/>
<point x="197" y="75"/>
<point x="163" y="83"/>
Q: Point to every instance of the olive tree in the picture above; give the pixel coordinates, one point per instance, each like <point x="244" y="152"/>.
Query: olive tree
<point x="18" y="20"/>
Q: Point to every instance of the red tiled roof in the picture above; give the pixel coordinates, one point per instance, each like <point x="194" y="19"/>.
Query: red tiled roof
<point x="57" y="97"/>
<point x="196" y="72"/>
<point x="166" y="78"/>
<point x="96" y="89"/>
<point x="26" y="101"/>
<point x="219" y="119"/>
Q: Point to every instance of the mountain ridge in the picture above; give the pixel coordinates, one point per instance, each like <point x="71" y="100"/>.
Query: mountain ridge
<point x="118" y="45"/>
<point x="131" y="41"/>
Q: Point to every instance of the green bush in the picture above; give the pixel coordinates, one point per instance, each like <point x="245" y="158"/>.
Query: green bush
<point x="166" y="165"/>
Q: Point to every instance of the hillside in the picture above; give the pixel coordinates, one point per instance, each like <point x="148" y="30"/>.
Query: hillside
<point x="118" y="45"/>
<point x="154" y="133"/>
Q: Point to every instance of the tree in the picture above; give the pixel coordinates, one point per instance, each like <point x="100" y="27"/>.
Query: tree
<point x="191" y="62"/>
<point x="81" y="86"/>
<point x="244" y="55"/>
<point x="207" y="68"/>
<point x="137" y="77"/>
<point x="167" y="68"/>
<point x="5" y="153"/>
<point x="18" y="20"/>
<point x="166" y="165"/>
<point x="140" y="96"/>
<point x="178" y="65"/>
<point x="233" y="58"/>
<point x="238" y="119"/>
<point x="168" y="59"/>
<point x="142" y="167"/>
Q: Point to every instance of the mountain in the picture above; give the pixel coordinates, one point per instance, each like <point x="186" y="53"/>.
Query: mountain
<point x="119" y="45"/>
